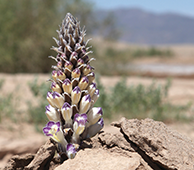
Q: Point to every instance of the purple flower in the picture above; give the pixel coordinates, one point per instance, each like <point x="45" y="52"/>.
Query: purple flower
<point x="79" y="123"/>
<point x="53" y="130"/>
<point x="81" y="119"/>
<point x="71" y="151"/>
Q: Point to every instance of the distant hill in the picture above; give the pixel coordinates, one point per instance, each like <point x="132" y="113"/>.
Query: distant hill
<point x="139" y="26"/>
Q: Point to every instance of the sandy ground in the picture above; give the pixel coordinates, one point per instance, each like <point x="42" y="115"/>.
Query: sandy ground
<point x="13" y="135"/>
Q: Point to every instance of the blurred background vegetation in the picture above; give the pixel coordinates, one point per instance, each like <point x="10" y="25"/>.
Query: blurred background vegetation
<point x="27" y="28"/>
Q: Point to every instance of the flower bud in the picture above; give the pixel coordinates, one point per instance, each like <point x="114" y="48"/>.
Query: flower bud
<point x="83" y="83"/>
<point x="80" y="62"/>
<point x="73" y="56"/>
<point x="67" y="87"/>
<point x="85" y="104"/>
<point x="68" y="65"/>
<point x="91" y="77"/>
<point x="75" y="73"/>
<point x="52" y="114"/>
<point x="94" y="129"/>
<point x="61" y="75"/>
<point x="49" y="98"/>
<point x="95" y="96"/>
<point x="63" y="56"/>
<point x="59" y="64"/>
<point x="54" y="75"/>
<point x="58" y="57"/>
<point x="91" y="89"/>
<point x="75" y="95"/>
<point x="58" y="100"/>
<point x="83" y="51"/>
<point x="56" y="87"/>
<point x="71" y="151"/>
<point x="77" y="46"/>
<point x="94" y="115"/>
<point x="87" y="70"/>
<point x="66" y="111"/>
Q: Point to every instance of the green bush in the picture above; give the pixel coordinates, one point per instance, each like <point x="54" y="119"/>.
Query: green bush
<point x="140" y="102"/>
<point x="37" y="114"/>
<point x="152" y="52"/>
<point x="7" y="108"/>
<point x="27" y="28"/>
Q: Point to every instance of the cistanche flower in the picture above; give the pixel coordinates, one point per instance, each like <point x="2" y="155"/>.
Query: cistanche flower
<point x="72" y="117"/>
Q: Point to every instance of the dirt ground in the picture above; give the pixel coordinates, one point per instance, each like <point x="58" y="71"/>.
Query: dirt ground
<point x="15" y="136"/>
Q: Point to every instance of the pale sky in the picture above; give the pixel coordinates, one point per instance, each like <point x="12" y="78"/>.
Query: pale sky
<point x="185" y="7"/>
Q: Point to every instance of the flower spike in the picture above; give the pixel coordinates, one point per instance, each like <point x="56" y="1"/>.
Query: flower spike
<point x="72" y="117"/>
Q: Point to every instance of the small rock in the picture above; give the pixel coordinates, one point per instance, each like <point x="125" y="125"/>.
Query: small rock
<point x="160" y="145"/>
<point x="99" y="159"/>
<point x="43" y="157"/>
<point x="19" y="162"/>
